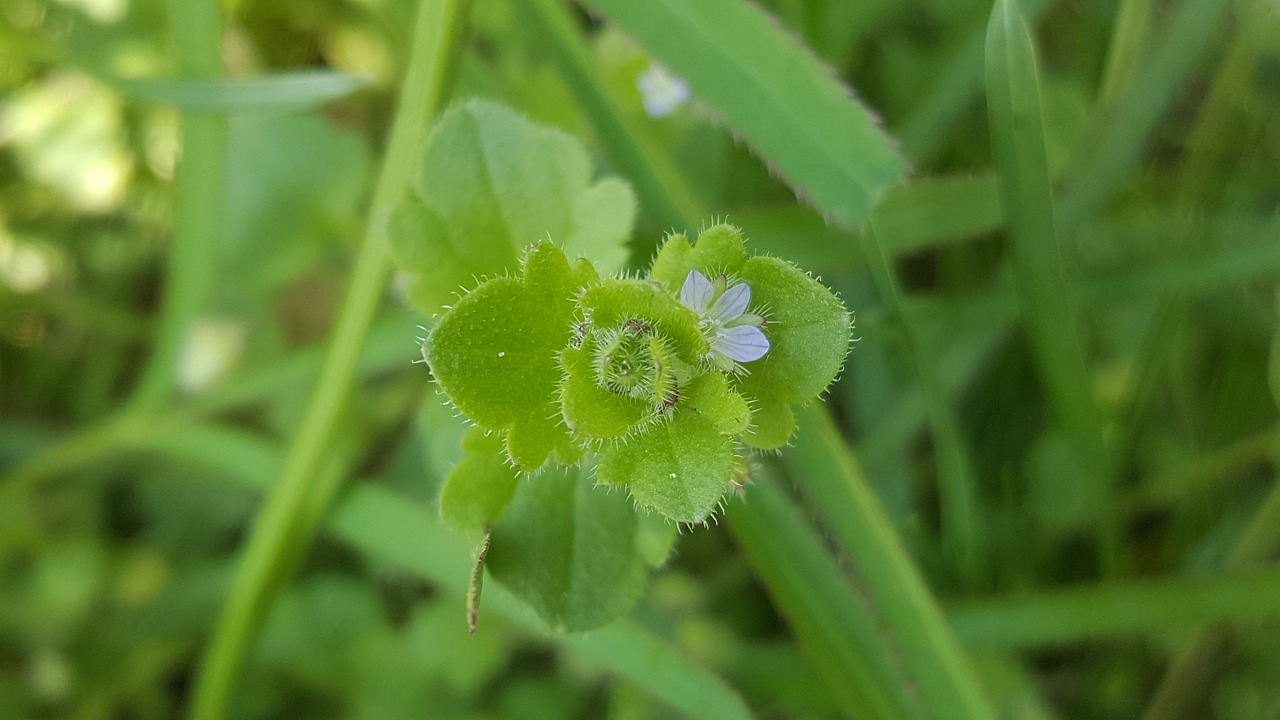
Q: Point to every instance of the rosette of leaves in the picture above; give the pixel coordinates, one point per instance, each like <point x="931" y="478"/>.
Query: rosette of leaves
<point x="604" y="409"/>
<point x="662" y="382"/>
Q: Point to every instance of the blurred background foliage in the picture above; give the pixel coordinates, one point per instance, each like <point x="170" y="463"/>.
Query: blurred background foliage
<point x="1134" y="581"/>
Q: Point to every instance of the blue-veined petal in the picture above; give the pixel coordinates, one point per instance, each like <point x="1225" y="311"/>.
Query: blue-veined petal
<point x="731" y="304"/>
<point x="743" y="343"/>
<point x="697" y="292"/>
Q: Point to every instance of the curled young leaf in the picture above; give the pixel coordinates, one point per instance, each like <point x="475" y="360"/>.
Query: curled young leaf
<point x="682" y="467"/>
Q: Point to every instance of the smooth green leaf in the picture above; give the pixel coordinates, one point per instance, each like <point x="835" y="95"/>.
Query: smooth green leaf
<point x="800" y="119"/>
<point x="569" y="550"/>
<point x="492" y="183"/>
<point x="494" y="354"/>
<point x="479" y="487"/>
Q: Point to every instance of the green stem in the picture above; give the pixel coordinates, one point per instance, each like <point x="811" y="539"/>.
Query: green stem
<point x="289" y="511"/>
<point x="199" y="215"/>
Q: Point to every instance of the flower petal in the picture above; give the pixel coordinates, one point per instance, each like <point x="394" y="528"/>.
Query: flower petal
<point x="696" y="292"/>
<point x="743" y="343"/>
<point x="731" y="304"/>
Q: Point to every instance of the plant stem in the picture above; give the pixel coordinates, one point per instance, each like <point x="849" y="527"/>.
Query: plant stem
<point x="286" y="519"/>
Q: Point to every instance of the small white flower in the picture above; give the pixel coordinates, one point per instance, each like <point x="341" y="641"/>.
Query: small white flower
<point x="735" y="334"/>
<point x="661" y="91"/>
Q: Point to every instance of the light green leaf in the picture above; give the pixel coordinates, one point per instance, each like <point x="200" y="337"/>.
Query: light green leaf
<point x="569" y="550"/>
<point x="495" y="353"/>
<point x="719" y="250"/>
<point x="682" y="467"/>
<point x="479" y="487"/>
<point x="491" y="184"/>
<point x="800" y="119"/>
<point x="808" y="330"/>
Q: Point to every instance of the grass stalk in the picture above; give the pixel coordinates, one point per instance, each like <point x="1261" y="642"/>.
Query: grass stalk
<point x="956" y="483"/>
<point x="198" y="219"/>
<point x="914" y="626"/>
<point x="1018" y="143"/>
<point x="287" y="516"/>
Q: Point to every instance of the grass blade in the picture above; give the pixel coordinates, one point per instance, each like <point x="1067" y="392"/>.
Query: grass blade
<point x="1017" y="137"/>
<point x="1122" y="129"/>
<point x="930" y="655"/>
<point x="1127" y="42"/>
<point x="283" y="525"/>
<point x="835" y="624"/>
<point x="1078" y="614"/>
<point x="961" y="526"/>
<point x="270" y="93"/>
<point x="775" y="93"/>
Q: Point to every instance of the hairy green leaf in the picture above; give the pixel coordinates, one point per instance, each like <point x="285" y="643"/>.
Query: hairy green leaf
<point x="495" y="352"/>
<point x="681" y="467"/>
<point x="790" y="107"/>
